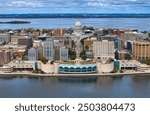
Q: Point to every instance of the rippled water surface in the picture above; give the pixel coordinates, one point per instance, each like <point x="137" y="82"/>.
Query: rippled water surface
<point x="101" y="87"/>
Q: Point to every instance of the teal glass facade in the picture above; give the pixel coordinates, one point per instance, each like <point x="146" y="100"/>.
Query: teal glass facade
<point x="117" y="65"/>
<point x="77" y="68"/>
<point x="36" y="65"/>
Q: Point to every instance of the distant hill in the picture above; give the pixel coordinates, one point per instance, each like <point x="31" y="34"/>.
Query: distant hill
<point x="75" y="15"/>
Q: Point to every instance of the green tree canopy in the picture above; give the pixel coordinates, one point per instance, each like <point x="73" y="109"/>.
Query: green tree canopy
<point x="72" y="54"/>
<point x="83" y="55"/>
<point x="44" y="60"/>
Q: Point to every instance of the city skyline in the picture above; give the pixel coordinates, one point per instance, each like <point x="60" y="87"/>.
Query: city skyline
<point x="74" y="6"/>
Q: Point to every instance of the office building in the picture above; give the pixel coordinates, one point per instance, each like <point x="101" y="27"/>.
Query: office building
<point x="63" y="53"/>
<point x="141" y="49"/>
<point x="33" y="54"/>
<point x="115" y="38"/>
<point x="103" y="49"/>
<point x="58" y="32"/>
<point x="129" y="45"/>
<point x="122" y="55"/>
<point x="4" y="38"/>
<point x="48" y="50"/>
<point x="57" y="53"/>
<point x="25" y="40"/>
<point x="5" y="57"/>
<point x="14" y="39"/>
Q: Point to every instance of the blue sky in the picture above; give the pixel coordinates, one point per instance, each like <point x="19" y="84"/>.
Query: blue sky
<point x="74" y="6"/>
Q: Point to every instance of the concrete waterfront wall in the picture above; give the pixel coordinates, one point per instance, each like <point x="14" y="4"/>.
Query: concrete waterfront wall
<point x="56" y="66"/>
<point x="105" y="68"/>
<point x="53" y="68"/>
<point x="47" y="68"/>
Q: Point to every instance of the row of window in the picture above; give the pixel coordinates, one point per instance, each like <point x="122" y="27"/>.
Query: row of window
<point x="142" y="44"/>
<point x="78" y="69"/>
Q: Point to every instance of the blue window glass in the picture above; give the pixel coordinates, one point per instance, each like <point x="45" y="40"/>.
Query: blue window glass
<point x="66" y="69"/>
<point x="72" y="69"/>
<point x="84" y="69"/>
<point x="61" y="69"/>
<point x="78" y="69"/>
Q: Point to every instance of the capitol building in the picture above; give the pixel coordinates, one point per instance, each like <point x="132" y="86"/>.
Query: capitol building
<point x="78" y="33"/>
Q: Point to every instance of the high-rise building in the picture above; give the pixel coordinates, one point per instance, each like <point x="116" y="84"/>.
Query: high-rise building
<point x="88" y="43"/>
<point x="40" y="52"/>
<point x="103" y="49"/>
<point x="115" y="38"/>
<point x="129" y="45"/>
<point x="25" y="40"/>
<point x="5" y="57"/>
<point x="141" y="49"/>
<point x="4" y="38"/>
<point x="63" y="53"/>
<point x="14" y="38"/>
<point x="33" y="54"/>
<point x="39" y="45"/>
<point x="58" y="32"/>
<point x="57" y="53"/>
<point x="132" y="36"/>
<point x="48" y="49"/>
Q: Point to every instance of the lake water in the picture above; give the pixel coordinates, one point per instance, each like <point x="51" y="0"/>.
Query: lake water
<point x="102" y="87"/>
<point x="41" y="23"/>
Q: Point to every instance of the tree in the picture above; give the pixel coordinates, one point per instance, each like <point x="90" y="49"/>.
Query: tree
<point x="73" y="57"/>
<point x="72" y="54"/>
<point x="128" y="57"/>
<point x="82" y="42"/>
<point x="52" y="62"/>
<point x="86" y="48"/>
<point x="83" y="55"/>
<point x="44" y="60"/>
<point x="110" y="60"/>
<point x="148" y="62"/>
<point x="121" y="71"/>
<point x="30" y="30"/>
<point x="114" y="70"/>
<point x="95" y="34"/>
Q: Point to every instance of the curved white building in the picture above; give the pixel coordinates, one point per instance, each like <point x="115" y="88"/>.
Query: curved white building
<point x="77" y="68"/>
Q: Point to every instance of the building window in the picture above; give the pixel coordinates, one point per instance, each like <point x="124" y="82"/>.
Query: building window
<point x="143" y="45"/>
<point x="72" y="69"/>
<point x="78" y="69"/>
<point x="66" y="69"/>
<point x="84" y="69"/>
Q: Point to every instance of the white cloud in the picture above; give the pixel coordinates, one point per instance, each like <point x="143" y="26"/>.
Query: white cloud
<point x="25" y="3"/>
<point x="114" y="3"/>
<point x="76" y="5"/>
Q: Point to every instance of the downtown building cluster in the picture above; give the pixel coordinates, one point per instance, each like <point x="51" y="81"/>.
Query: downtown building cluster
<point x="50" y="50"/>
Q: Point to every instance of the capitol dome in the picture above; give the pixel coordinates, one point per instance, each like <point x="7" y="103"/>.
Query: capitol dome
<point x="78" y="24"/>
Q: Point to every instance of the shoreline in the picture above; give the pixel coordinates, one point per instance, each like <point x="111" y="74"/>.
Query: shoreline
<point x="28" y="75"/>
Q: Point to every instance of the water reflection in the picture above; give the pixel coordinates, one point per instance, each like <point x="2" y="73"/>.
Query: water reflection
<point x="116" y="86"/>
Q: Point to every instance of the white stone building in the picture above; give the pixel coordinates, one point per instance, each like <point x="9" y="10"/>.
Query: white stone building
<point x="103" y="49"/>
<point x="4" y="38"/>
